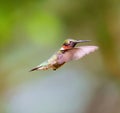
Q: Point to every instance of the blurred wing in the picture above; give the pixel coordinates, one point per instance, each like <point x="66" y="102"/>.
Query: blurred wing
<point x="82" y="51"/>
<point x="79" y="52"/>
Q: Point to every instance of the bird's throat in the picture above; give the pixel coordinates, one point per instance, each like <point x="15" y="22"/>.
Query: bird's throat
<point x="65" y="47"/>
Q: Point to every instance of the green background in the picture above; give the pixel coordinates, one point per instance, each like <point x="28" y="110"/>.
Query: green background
<point x="31" y="31"/>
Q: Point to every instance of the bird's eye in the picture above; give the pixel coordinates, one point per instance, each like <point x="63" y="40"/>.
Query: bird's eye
<point x="69" y="42"/>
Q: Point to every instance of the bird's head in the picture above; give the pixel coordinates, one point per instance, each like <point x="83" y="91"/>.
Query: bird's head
<point x="70" y="43"/>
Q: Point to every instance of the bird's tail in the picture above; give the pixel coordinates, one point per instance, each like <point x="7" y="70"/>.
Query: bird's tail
<point x="34" y="69"/>
<point x="43" y="66"/>
<point x="40" y="68"/>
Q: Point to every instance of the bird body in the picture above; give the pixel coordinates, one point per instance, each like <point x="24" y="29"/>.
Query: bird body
<point x="67" y="52"/>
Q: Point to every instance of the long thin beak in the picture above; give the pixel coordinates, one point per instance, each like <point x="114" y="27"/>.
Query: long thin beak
<point x="81" y="41"/>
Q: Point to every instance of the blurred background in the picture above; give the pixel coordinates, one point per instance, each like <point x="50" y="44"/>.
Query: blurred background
<point x="31" y="31"/>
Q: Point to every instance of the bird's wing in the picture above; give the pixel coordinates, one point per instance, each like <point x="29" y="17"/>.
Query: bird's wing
<point x="79" y="52"/>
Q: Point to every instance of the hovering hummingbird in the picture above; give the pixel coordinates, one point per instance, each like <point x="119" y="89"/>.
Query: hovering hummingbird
<point x="66" y="53"/>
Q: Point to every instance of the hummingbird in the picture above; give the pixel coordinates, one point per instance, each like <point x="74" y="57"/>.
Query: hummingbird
<point x="66" y="53"/>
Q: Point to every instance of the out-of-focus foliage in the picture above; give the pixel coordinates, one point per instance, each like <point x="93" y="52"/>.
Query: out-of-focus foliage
<point x="31" y="31"/>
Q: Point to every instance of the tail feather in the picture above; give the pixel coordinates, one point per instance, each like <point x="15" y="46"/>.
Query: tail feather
<point x="36" y="68"/>
<point x="39" y="68"/>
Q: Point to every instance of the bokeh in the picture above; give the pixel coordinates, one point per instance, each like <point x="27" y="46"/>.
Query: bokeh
<point x="31" y="31"/>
